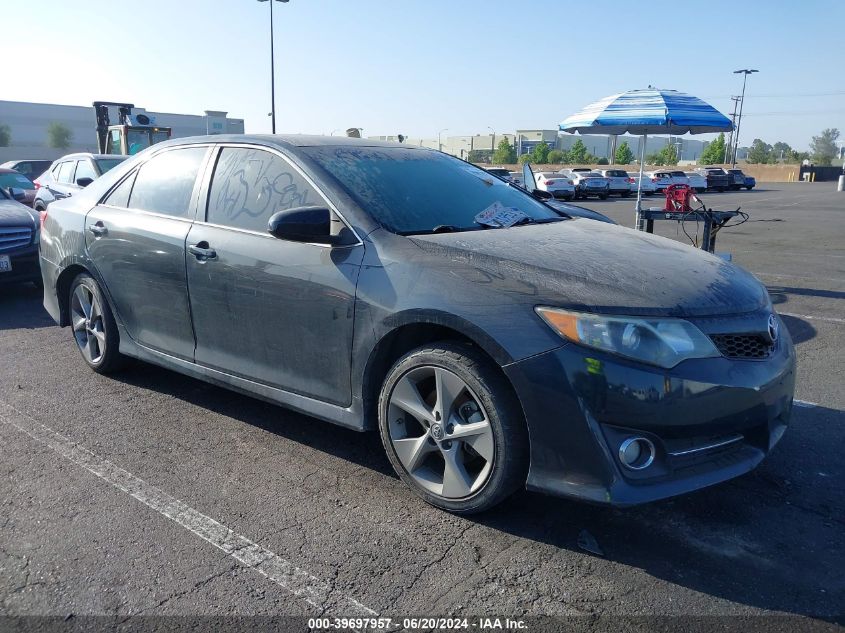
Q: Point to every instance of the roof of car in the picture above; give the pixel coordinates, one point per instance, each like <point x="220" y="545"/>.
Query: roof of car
<point x="88" y="155"/>
<point x="290" y="140"/>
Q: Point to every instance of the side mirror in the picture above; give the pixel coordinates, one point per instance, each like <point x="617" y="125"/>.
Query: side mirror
<point x="306" y="224"/>
<point x="17" y="194"/>
<point x="541" y="195"/>
<point x="84" y="181"/>
<point x="527" y="176"/>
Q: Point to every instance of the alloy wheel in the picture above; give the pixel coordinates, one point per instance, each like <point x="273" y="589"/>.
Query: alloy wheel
<point x="88" y="327"/>
<point x="440" y="432"/>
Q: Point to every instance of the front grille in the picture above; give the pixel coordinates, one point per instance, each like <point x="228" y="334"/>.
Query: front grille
<point x="743" y="345"/>
<point x="14" y="237"/>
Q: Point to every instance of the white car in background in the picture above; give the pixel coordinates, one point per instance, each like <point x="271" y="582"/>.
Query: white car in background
<point x="588" y="183"/>
<point x="648" y="188"/>
<point x="559" y="185"/>
<point x="697" y="181"/>
<point x="620" y="181"/>
<point x="661" y="180"/>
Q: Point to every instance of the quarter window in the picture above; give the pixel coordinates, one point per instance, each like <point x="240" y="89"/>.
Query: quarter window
<point x="119" y="197"/>
<point x="164" y="183"/>
<point x="250" y="185"/>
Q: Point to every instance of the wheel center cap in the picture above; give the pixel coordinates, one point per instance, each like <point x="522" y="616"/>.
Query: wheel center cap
<point x="437" y="431"/>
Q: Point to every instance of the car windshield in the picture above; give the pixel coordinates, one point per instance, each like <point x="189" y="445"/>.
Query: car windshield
<point x="418" y="191"/>
<point x="106" y="164"/>
<point x="15" y="180"/>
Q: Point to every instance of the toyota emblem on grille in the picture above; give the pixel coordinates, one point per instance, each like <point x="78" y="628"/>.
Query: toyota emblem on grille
<point x="773" y="328"/>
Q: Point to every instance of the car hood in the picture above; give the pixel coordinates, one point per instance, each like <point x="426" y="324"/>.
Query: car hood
<point x="598" y="267"/>
<point x="13" y="213"/>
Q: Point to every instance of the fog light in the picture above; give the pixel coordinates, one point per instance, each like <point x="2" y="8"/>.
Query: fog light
<point x="636" y="453"/>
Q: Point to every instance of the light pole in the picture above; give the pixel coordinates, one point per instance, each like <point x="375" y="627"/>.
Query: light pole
<point x="439" y="144"/>
<point x="492" y="144"/>
<point x="729" y="147"/>
<point x="745" y="72"/>
<point x="678" y="145"/>
<point x="272" y="69"/>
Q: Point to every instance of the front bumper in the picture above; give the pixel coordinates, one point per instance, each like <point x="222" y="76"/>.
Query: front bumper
<point x="709" y="419"/>
<point x="24" y="266"/>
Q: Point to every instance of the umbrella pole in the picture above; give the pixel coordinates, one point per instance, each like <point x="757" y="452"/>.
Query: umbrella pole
<point x="638" y="219"/>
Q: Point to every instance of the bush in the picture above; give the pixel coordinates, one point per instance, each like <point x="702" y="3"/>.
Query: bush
<point x="603" y="161"/>
<point x="556" y="157"/>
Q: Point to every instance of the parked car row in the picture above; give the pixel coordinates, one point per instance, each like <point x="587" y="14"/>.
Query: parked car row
<point x="581" y="182"/>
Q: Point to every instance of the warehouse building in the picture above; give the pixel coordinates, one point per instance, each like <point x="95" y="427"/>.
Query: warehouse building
<point x="28" y="124"/>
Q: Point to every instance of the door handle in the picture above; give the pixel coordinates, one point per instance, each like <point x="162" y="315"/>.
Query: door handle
<point x="202" y="251"/>
<point x="98" y="229"/>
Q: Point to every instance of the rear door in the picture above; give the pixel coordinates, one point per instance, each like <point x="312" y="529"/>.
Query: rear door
<point x="136" y="239"/>
<point x="273" y="311"/>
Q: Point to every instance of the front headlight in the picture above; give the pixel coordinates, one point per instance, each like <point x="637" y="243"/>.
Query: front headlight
<point x="657" y="341"/>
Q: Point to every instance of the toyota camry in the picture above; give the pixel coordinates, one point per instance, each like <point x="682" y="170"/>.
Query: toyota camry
<point x="493" y="341"/>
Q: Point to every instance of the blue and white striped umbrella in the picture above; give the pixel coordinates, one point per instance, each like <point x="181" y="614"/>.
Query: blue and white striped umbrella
<point x="649" y="111"/>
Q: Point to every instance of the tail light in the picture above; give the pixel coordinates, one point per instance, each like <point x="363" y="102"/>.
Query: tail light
<point x="549" y="182"/>
<point x="654" y="180"/>
<point x="631" y="180"/>
<point x="42" y="216"/>
<point x="37" y="185"/>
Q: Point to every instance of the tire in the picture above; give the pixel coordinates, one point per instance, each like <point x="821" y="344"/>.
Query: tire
<point x="604" y="196"/>
<point x="721" y="189"/>
<point x="96" y="334"/>
<point x="749" y="187"/>
<point x="418" y="445"/>
<point x="626" y="194"/>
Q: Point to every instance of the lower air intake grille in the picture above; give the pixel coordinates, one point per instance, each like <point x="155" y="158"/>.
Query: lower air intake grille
<point x="12" y="237"/>
<point x="743" y="345"/>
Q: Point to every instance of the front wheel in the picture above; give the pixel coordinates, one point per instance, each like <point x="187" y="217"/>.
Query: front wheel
<point x="452" y="428"/>
<point x="94" y="327"/>
<point x="604" y="196"/>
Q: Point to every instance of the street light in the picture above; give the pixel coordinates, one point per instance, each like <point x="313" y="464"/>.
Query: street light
<point x="439" y="144"/>
<point x="492" y="144"/>
<point x="272" y="68"/>
<point x="745" y="72"/>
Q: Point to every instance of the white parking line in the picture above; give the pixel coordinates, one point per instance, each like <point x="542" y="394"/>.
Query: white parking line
<point x="284" y="573"/>
<point x="813" y="318"/>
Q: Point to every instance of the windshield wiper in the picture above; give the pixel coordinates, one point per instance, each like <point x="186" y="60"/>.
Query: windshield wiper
<point x="445" y="228"/>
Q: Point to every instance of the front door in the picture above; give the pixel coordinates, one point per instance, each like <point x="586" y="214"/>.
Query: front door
<point x="136" y="240"/>
<point x="276" y="312"/>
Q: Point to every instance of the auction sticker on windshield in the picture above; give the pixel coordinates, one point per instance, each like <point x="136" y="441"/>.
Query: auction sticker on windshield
<point x="5" y="264"/>
<point x="498" y="215"/>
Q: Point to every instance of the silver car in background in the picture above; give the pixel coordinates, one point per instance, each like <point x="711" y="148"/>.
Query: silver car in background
<point x="620" y="181"/>
<point x="560" y="186"/>
<point x="696" y="181"/>
<point x="588" y="183"/>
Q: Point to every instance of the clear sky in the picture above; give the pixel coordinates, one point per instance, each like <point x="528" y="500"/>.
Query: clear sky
<point x="418" y="66"/>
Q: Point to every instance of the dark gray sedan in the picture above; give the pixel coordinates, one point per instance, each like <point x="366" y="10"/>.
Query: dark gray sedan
<point x="493" y="341"/>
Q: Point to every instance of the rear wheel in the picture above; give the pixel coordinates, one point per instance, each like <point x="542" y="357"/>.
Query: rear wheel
<point x="604" y="196"/>
<point x="626" y="194"/>
<point x="452" y="428"/>
<point x="749" y="187"/>
<point x="94" y="327"/>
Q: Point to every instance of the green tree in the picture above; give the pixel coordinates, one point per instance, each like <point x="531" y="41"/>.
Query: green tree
<point x="780" y="150"/>
<point x="5" y="135"/>
<point x="556" y="157"/>
<point x="578" y="153"/>
<point x="759" y="152"/>
<point x="714" y="153"/>
<point x="525" y="158"/>
<point x="823" y="147"/>
<point x="505" y="153"/>
<point x="59" y="135"/>
<point x="540" y="153"/>
<point x="794" y="156"/>
<point x="666" y="156"/>
<point x="602" y="161"/>
<point x="478" y="156"/>
<point x="624" y="154"/>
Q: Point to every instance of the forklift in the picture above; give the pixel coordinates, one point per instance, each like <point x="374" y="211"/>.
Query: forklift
<point x="133" y="133"/>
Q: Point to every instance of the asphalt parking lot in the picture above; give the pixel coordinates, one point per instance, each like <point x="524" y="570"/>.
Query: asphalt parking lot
<point x="155" y="494"/>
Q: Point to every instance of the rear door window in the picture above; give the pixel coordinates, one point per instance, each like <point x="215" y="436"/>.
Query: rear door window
<point x="119" y="197"/>
<point x="250" y="185"/>
<point x="65" y="174"/>
<point x="84" y="169"/>
<point x="165" y="183"/>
